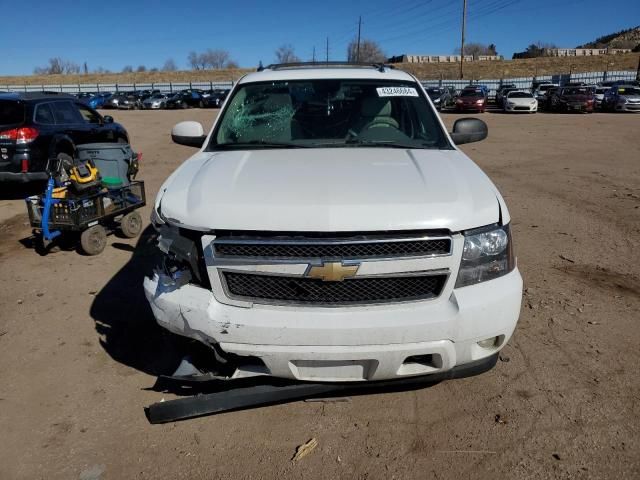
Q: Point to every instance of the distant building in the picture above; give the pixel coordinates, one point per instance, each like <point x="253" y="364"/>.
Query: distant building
<point x="573" y="52"/>
<point x="440" y="58"/>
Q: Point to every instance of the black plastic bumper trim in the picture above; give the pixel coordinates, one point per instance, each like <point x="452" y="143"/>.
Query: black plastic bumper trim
<point x="260" y="395"/>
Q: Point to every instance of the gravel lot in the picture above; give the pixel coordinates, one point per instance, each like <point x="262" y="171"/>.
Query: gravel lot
<point x="79" y="348"/>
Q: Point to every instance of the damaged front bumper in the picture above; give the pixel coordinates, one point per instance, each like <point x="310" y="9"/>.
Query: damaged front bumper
<point x="365" y="343"/>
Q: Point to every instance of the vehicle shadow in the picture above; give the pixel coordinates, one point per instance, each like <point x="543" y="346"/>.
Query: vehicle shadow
<point x="124" y="320"/>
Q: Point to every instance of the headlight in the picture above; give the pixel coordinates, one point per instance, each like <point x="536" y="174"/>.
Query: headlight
<point x="156" y="217"/>
<point x="487" y="254"/>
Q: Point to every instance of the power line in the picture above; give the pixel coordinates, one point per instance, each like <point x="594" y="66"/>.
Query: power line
<point x="358" y="47"/>
<point x="464" y="21"/>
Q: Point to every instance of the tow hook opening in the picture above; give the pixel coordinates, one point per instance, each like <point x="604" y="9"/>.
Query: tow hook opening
<point x="431" y="360"/>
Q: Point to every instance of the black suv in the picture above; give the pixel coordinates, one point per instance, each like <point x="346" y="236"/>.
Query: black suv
<point x="37" y="126"/>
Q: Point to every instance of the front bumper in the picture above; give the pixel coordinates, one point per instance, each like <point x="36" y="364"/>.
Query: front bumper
<point x="579" y="107"/>
<point x="347" y="344"/>
<point x="470" y="108"/>
<point x="628" y="107"/>
<point x="521" y="108"/>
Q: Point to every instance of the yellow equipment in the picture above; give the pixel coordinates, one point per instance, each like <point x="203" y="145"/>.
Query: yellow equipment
<point x="84" y="176"/>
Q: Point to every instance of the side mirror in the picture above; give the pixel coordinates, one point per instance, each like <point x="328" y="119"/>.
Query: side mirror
<point x="188" y="133"/>
<point x="469" y="130"/>
<point x="107" y="119"/>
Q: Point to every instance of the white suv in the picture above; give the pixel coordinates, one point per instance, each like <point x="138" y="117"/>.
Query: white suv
<point x="329" y="229"/>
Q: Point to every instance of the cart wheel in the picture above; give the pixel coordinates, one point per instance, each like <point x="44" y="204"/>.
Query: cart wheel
<point x="93" y="240"/>
<point x="131" y="224"/>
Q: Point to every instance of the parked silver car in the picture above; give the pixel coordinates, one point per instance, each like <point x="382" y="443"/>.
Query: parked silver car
<point x="623" y="98"/>
<point x="156" y="101"/>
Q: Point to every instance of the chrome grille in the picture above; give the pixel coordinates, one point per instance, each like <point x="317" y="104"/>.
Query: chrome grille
<point x="283" y="248"/>
<point x="280" y="289"/>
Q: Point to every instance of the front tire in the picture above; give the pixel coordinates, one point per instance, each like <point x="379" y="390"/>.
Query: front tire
<point x="131" y="224"/>
<point x="93" y="240"/>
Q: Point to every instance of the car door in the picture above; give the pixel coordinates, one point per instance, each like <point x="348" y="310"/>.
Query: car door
<point x="97" y="131"/>
<point x="70" y="122"/>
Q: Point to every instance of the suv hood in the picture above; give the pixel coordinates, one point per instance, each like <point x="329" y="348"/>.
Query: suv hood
<point x="332" y="190"/>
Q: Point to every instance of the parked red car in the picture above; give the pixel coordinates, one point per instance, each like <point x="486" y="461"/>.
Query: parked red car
<point x="473" y="100"/>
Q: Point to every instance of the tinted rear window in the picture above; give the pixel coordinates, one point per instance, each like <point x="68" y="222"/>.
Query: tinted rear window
<point x="11" y="112"/>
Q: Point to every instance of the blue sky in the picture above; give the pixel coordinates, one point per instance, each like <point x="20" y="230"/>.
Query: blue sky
<point x="118" y="33"/>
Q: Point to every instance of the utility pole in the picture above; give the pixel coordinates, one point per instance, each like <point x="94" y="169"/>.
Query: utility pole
<point x="314" y="54"/>
<point x="327" y="49"/>
<point x="464" y="25"/>
<point x="358" y="48"/>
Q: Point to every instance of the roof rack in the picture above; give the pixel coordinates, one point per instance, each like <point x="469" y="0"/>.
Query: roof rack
<point x="279" y="66"/>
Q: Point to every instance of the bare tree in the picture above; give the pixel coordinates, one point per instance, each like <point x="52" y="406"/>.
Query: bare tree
<point x="127" y="69"/>
<point x="56" y="66"/>
<point x="169" y="66"/>
<point x="476" y="49"/>
<point x="101" y="70"/>
<point x="193" y="60"/>
<point x="370" y="51"/>
<point x="232" y="64"/>
<point x="286" y="54"/>
<point x="141" y="68"/>
<point x="216" y="59"/>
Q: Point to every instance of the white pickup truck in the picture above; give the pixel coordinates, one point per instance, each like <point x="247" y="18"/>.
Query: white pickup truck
<point x="328" y="229"/>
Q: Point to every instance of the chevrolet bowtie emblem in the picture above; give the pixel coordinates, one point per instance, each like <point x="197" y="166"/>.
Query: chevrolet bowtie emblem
<point x="332" y="272"/>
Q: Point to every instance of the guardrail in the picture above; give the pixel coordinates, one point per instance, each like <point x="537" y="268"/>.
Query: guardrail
<point x="492" y="84"/>
<point x="115" y="87"/>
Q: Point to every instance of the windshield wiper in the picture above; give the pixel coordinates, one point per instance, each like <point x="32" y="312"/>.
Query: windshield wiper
<point x="386" y="143"/>
<point x="254" y="144"/>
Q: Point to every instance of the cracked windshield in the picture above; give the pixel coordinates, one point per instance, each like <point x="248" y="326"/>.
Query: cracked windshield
<point x="328" y="113"/>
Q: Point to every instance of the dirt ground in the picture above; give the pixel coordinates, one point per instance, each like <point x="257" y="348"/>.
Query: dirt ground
<point x="79" y="349"/>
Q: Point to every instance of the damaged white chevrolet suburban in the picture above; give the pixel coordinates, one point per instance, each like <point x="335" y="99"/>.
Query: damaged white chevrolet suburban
<point x="330" y="230"/>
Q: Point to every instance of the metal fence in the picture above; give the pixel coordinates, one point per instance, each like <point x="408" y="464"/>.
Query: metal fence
<point x="115" y="87"/>
<point x="526" y="82"/>
<point x="492" y="85"/>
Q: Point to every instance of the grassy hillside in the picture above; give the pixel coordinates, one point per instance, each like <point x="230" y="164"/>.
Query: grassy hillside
<point x="473" y="70"/>
<point x="629" y="38"/>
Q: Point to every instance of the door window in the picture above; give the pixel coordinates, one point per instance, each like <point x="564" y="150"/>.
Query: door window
<point x="88" y="115"/>
<point x="66" y="113"/>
